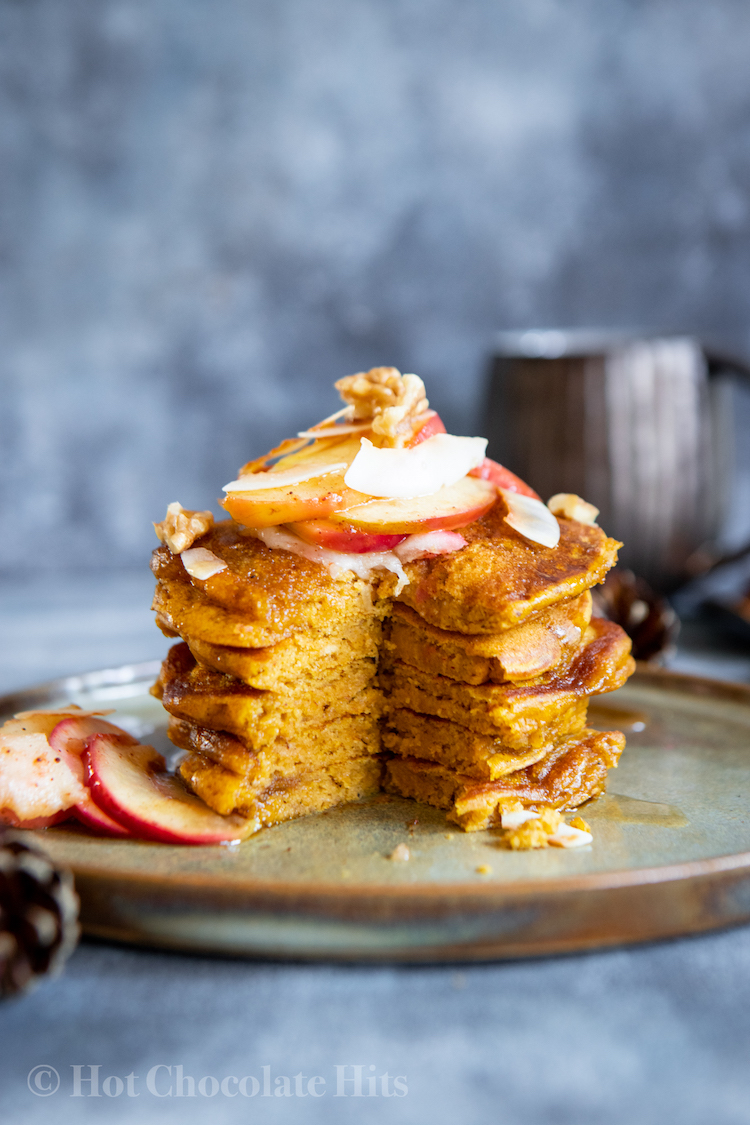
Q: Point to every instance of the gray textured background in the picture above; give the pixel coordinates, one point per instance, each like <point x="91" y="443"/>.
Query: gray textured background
<point x="210" y="210"/>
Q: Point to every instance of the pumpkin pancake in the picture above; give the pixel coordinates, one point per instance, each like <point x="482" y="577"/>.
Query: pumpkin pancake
<point x="501" y="579"/>
<point x="191" y="691"/>
<point x="572" y="772"/>
<point x="351" y="736"/>
<point x="262" y="597"/>
<point x="280" y="666"/>
<point x="287" y="795"/>
<point x="525" y="652"/>
<point x="481" y="756"/>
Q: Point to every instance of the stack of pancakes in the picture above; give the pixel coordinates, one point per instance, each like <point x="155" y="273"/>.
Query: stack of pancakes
<point x="487" y="672"/>
<point x="273" y="691"/>
<point x="290" y="697"/>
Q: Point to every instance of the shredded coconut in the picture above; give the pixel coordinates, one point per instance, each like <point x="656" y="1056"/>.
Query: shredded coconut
<point x="572" y="507"/>
<point x="201" y="563"/>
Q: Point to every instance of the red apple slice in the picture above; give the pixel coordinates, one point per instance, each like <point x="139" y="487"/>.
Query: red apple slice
<point x="69" y="738"/>
<point x="130" y="784"/>
<point x="454" y="506"/>
<point x="432" y="426"/>
<point x="344" y="537"/>
<point x="502" y="478"/>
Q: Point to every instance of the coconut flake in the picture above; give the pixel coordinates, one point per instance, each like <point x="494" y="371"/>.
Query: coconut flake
<point x="566" y="836"/>
<point x="335" y="562"/>
<point x="261" y="482"/>
<point x="517" y="818"/>
<point x="429" y="543"/>
<point x="531" y="518"/>
<point x="402" y="474"/>
<point x="201" y="563"/>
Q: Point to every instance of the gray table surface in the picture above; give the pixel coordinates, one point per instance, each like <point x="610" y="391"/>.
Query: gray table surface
<point x="648" y="1034"/>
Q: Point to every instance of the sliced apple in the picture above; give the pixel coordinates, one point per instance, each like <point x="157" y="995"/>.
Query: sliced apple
<point x="69" y="738"/>
<point x="38" y="785"/>
<point x="312" y="498"/>
<point x="309" y="500"/>
<point x="432" y="426"/>
<point x="503" y="478"/>
<point x="454" y="506"/>
<point x="344" y="537"/>
<point x="131" y="785"/>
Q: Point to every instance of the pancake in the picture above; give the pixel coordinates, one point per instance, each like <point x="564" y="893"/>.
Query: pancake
<point x="286" y="796"/>
<point x="280" y="666"/>
<point x="481" y="756"/>
<point x="572" y="772"/>
<point x="262" y="597"/>
<point x="500" y="579"/>
<point x="350" y="736"/>
<point x="522" y="653"/>
<point x="191" y="691"/>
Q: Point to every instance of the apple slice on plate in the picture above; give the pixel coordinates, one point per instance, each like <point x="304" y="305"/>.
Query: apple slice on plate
<point x="38" y="785"/>
<point x="69" y="739"/>
<point x="130" y="783"/>
<point x="455" y="505"/>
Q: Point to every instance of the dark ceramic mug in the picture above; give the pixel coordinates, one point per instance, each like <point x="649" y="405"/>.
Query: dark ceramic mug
<point x="633" y="425"/>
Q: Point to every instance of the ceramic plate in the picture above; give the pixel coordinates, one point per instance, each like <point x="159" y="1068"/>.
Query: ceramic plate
<point x="671" y="851"/>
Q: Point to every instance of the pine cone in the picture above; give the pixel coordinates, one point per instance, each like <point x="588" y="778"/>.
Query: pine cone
<point x="647" y="618"/>
<point x="38" y="915"/>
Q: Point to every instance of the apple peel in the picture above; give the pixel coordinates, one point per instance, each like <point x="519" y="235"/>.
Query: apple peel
<point x="531" y="518"/>
<point x="69" y="738"/>
<point x="130" y="783"/>
<point x="430" y="543"/>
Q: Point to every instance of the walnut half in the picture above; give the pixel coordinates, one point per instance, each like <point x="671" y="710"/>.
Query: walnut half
<point x="396" y="403"/>
<point x="181" y="527"/>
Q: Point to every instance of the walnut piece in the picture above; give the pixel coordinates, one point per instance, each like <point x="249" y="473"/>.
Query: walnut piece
<point x="181" y="527"/>
<point x="572" y="507"/>
<point x="395" y="402"/>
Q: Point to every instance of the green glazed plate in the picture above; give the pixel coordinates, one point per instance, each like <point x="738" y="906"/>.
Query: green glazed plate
<point x="671" y="851"/>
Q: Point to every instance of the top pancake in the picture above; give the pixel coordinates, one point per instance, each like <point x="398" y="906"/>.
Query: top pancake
<point x="501" y="579"/>
<point x="263" y="597"/>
